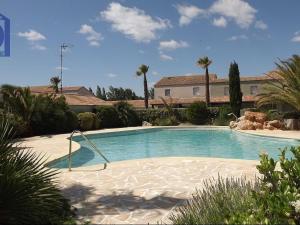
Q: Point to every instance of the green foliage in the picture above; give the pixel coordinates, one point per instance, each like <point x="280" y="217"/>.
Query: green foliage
<point x="40" y="114"/>
<point x="286" y="89"/>
<point x="235" y="92"/>
<point x="198" y="113"/>
<point x="278" y="201"/>
<point x="54" y="83"/>
<point x="28" y="193"/>
<point x="127" y="115"/>
<point x="120" y="94"/>
<point x="205" y="63"/>
<point x="218" y="200"/>
<point x="101" y="93"/>
<point x="222" y="118"/>
<point x="88" y="121"/>
<point x="52" y="115"/>
<point x="292" y="115"/>
<point x="167" y="121"/>
<point x="108" y="116"/>
<point x="142" y="71"/>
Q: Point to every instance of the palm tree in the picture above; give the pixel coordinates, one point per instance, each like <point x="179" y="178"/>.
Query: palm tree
<point x="19" y="101"/>
<point x="143" y="69"/>
<point x="54" y="83"/>
<point x="204" y="63"/>
<point x="28" y="192"/>
<point x="286" y="89"/>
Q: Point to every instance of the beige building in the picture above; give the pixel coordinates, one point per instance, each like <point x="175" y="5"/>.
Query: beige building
<point x="184" y="90"/>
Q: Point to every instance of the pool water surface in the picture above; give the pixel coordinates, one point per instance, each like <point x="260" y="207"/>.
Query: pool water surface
<point x="170" y="142"/>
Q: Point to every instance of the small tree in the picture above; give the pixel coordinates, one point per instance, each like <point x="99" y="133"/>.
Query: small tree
<point x="142" y="71"/>
<point x="235" y="89"/>
<point x="54" y="83"/>
<point x="205" y="63"/>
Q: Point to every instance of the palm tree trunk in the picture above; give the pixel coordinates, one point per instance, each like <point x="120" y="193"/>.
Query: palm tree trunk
<point x="207" y="87"/>
<point x="146" y="91"/>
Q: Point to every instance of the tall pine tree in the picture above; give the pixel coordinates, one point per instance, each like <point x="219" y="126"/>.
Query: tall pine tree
<point x="235" y="89"/>
<point x="104" y="94"/>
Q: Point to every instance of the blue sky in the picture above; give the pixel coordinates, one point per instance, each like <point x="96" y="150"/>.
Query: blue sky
<point x="112" y="38"/>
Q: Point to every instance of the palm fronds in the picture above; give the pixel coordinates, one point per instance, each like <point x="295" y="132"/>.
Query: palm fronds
<point x="286" y="88"/>
<point x="28" y="193"/>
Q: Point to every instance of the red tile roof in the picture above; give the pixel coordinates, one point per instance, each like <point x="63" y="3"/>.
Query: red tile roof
<point x="49" y="89"/>
<point x="74" y="99"/>
<point x="184" y="80"/>
<point x="200" y="79"/>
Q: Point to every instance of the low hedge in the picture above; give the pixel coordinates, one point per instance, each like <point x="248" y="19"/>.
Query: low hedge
<point x="88" y="121"/>
<point x="198" y="113"/>
<point x="108" y="116"/>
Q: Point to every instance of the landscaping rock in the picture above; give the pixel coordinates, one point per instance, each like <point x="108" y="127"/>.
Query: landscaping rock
<point x="255" y="116"/>
<point x="146" y="124"/>
<point x="245" y="125"/>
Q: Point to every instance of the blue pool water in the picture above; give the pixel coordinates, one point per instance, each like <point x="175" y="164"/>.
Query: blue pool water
<point x="174" y="142"/>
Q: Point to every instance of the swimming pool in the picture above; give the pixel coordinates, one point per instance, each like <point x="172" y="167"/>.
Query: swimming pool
<point x="164" y="142"/>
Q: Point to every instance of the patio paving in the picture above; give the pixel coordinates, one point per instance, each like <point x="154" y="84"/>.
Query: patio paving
<point x="143" y="191"/>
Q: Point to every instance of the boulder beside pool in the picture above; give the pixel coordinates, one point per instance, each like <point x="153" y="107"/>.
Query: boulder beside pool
<point x="256" y="121"/>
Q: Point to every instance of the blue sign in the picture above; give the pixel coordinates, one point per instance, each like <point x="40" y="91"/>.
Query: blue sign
<point x="4" y="36"/>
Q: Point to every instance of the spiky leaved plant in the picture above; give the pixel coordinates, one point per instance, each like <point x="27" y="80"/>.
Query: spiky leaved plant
<point x="28" y="193"/>
<point x="286" y="89"/>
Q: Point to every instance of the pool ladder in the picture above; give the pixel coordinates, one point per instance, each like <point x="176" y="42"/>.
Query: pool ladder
<point x="90" y="143"/>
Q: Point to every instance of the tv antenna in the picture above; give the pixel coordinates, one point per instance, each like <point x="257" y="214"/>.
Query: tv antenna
<point x="63" y="47"/>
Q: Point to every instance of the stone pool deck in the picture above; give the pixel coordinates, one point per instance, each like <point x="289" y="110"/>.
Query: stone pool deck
<point x="138" y="191"/>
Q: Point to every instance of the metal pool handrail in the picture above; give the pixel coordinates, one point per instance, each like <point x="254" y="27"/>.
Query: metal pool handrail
<point x="91" y="144"/>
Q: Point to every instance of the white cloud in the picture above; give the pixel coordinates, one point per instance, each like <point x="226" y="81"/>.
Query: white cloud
<point x="37" y="46"/>
<point x="151" y="84"/>
<point x="32" y="35"/>
<point x="172" y="45"/>
<point x="63" y="68"/>
<point x="34" y="39"/>
<point x="259" y="24"/>
<point x="188" y="13"/>
<point x="238" y="37"/>
<point x="238" y="10"/>
<point x="112" y="75"/>
<point x="165" y="57"/>
<point x="155" y="73"/>
<point x="296" y="38"/>
<point x="220" y="22"/>
<point x="92" y="36"/>
<point x="133" y="22"/>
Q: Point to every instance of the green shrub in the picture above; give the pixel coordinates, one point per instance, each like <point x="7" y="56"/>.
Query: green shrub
<point x="127" y="115"/>
<point x="198" y="113"/>
<point x="214" y="204"/>
<point x="108" y="116"/>
<point x="52" y="115"/>
<point x="292" y="115"/>
<point x="222" y="118"/>
<point x="278" y="201"/>
<point x="28" y="192"/>
<point x="21" y="128"/>
<point x="167" y="121"/>
<point x="88" y="121"/>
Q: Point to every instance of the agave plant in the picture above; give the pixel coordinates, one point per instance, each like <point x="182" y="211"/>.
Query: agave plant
<point x="286" y="89"/>
<point x="28" y="193"/>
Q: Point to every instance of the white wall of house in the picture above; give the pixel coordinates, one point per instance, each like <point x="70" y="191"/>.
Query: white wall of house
<point x="216" y="90"/>
<point x="180" y="92"/>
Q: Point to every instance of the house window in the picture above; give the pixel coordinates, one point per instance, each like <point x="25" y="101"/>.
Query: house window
<point x="253" y="90"/>
<point x="226" y="91"/>
<point x="167" y="92"/>
<point x="196" y="91"/>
